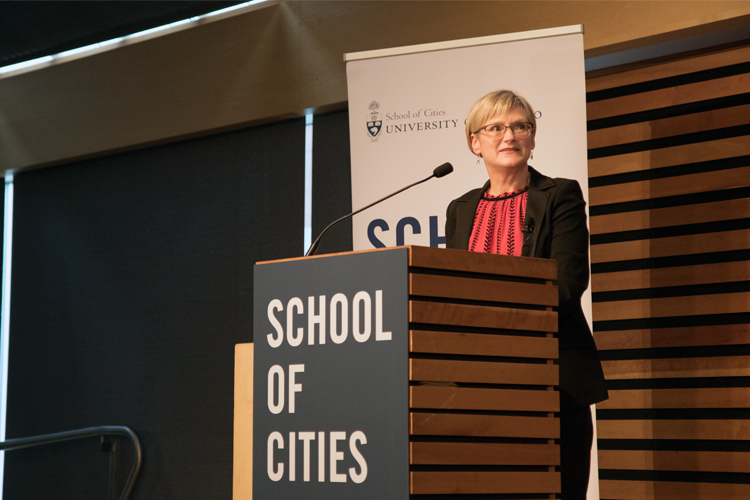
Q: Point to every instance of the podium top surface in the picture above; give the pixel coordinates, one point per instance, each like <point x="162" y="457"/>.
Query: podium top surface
<point x="458" y="260"/>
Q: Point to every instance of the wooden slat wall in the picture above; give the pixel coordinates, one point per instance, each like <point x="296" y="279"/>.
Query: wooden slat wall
<point x="669" y="193"/>
<point x="482" y="377"/>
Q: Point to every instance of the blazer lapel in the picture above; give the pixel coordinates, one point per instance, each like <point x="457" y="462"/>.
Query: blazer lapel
<point x="465" y="212"/>
<point x="536" y="208"/>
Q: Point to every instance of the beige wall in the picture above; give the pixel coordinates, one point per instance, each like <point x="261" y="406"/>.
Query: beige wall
<point x="277" y="61"/>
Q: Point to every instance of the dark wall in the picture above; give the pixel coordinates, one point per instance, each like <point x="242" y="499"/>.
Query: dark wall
<point x="132" y="282"/>
<point x="332" y="181"/>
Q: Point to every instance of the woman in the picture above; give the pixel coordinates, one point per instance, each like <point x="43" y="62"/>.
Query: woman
<point x="522" y="212"/>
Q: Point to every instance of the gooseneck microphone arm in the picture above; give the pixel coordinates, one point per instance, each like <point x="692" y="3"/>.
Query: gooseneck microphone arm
<point x="442" y="170"/>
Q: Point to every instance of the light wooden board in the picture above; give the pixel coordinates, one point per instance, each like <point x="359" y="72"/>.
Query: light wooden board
<point x="243" y="422"/>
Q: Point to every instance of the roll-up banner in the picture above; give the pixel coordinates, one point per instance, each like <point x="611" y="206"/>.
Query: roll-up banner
<point x="407" y="108"/>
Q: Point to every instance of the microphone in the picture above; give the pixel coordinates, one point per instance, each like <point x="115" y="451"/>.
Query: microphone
<point x="528" y="226"/>
<point x="440" y="171"/>
<point x="527" y="229"/>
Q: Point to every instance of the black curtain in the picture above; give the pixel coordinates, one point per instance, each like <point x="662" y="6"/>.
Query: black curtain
<point x="132" y="282"/>
<point x="332" y="181"/>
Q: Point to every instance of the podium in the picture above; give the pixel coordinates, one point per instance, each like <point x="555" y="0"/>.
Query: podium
<point x="399" y="373"/>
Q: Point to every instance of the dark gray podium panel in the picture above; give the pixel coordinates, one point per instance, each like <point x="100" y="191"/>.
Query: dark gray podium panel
<point x="331" y="408"/>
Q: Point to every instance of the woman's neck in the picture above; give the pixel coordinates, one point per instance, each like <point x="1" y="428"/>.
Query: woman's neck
<point x="508" y="181"/>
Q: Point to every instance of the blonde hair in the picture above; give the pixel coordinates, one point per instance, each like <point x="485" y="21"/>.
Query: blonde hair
<point x="496" y="103"/>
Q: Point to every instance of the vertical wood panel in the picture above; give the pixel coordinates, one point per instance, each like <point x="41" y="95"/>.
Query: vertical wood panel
<point x="242" y="488"/>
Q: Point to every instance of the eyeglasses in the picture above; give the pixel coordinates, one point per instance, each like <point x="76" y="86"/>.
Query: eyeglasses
<point x="520" y="129"/>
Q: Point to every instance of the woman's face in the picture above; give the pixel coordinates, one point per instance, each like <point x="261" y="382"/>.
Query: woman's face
<point x="505" y="151"/>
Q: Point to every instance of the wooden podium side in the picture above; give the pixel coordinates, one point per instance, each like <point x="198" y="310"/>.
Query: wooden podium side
<point x="482" y="374"/>
<point x="242" y="476"/>
<point x="482" y="378"/>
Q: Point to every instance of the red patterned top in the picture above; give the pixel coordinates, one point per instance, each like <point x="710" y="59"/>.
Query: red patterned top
<point x="498" y="223"/>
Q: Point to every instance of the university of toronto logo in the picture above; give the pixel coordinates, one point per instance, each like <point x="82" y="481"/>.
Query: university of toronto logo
<point x="374" y="122"/>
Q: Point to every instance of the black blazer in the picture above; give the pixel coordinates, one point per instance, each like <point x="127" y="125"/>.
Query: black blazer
<point x="556" y="222"/>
